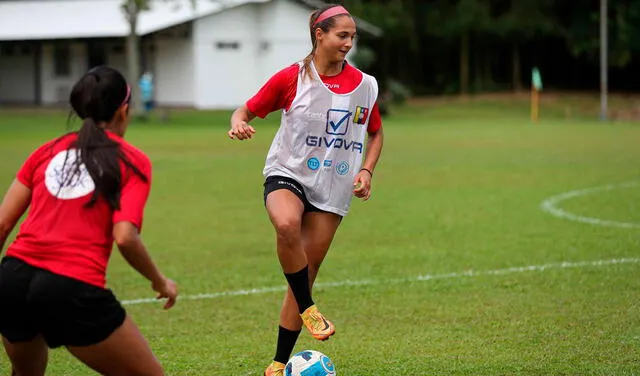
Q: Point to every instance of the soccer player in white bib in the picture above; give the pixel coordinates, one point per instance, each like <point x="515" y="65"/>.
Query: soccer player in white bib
<point x="324" y="153"/>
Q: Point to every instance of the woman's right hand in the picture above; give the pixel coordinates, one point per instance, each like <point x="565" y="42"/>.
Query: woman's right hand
<point x="166" y="289"/>
<point x="241" y="130"/>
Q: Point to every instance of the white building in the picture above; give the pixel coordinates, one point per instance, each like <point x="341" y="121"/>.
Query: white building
<point x="213" y="55"/>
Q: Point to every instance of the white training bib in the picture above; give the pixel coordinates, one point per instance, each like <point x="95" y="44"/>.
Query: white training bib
<point x="321" y="139"/>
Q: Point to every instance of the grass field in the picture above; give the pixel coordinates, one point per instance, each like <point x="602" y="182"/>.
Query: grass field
<point x="456" y="199"/>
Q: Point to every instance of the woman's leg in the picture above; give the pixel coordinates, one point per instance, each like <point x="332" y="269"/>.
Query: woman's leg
<point x="318" y="230"/>
<point x="27" y="358"/>
<point x="285" y="212"/>
<point x="27" y="350"/>
<point x="124" y="353"/>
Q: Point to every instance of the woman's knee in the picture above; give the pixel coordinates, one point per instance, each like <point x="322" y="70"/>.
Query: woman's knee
<point x="288" y="228"/>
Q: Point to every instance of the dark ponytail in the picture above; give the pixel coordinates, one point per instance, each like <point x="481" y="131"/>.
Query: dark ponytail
<point x="95" y="99"/>
<point x="325" y="26"/>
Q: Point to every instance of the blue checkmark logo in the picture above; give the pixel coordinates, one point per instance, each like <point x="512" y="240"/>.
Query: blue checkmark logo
<point x="337" y="123"/>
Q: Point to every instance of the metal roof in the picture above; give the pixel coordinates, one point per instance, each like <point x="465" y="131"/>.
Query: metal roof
<point x="66" y="19"/>
<point x="63" y="19"/>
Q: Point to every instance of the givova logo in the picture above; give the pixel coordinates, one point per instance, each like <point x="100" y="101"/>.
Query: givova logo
<point x="334" y="142"/>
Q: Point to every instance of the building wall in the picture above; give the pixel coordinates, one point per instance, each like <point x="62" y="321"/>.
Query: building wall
<point x="117" y="57"/>
<point x="284" y="31"/>
<point x="173" y="67"/>
<point x="215" y="62"/>
<point x="236" y="51"/>
<point x="57" y="87"/>
<point x="173" y="76"/>
<point x="17" y="73"/>
<point x="18" y="70"/>
<point x="225" y="57"/>
<point x="284" y="27"/>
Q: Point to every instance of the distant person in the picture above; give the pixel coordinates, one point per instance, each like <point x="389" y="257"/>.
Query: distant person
<point x="84" y="190"/>
<point x="315" y="164"/>
<point x="146" y="91"/>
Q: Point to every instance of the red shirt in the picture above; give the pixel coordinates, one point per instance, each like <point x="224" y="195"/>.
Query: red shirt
<point x="278" y="93"/>
<point x="61" y="234"/>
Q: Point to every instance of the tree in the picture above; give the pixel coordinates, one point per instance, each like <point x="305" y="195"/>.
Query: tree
<point x="581" y="30"/>
<point x="522" y="21"/>
<point x="397" y="51"/>
<point x="459" y="20"/>
<point x="132" y="10"/>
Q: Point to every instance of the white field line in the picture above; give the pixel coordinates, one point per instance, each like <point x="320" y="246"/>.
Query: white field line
<point x="550" y="205"/>
<point x="420" y="278"/>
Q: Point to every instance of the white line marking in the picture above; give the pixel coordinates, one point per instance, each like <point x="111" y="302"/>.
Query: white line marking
<point x="420" y="278"/>
<point x="550" y="206"/>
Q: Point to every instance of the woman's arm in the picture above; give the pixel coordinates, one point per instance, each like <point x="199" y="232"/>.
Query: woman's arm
<point x="373" y="150"/>
<point x="240" y="128"/>
<point x="362" y="183"/>
<point x="15" y="203"/>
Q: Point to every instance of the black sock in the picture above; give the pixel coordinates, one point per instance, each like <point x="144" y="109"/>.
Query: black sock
<point x="299" y="283"/>
<point x="286" y="342"/>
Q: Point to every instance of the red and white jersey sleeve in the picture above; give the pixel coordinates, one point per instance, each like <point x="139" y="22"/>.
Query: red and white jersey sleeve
<point x="135" y="190"/>
<point x="280" y="90"/>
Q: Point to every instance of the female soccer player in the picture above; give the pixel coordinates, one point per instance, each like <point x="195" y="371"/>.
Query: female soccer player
<point x="315" y="164"/>
<point x="84" y="191"/>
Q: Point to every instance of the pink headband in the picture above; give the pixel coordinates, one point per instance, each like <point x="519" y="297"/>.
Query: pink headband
<point x="334" y="11"/>
<point x="126" y="98"/>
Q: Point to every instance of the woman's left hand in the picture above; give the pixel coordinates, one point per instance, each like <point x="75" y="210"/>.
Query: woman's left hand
<point x="362" y="185"/>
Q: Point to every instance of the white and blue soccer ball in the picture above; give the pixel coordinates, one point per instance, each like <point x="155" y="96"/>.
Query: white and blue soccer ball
<point x="310" y="363"/>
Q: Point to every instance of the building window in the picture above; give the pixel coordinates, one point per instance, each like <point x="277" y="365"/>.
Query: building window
<point x="7" y="50"/>
<point x="227" y="45"/>
<point x="15" y="50"/>
<point x="61" y="61"/>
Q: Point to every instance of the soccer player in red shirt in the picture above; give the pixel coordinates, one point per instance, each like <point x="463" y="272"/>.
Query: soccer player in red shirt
<point x="85" y="191"/>
<point x="316" y="164"/>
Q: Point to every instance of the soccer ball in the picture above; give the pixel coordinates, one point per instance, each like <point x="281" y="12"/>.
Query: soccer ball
<point x="310" y="363"/>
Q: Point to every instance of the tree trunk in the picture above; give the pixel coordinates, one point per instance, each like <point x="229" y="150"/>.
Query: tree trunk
<point x="478" y="78"/>
<point x="133" y="58"/>
<point x="464" y="63"/>
<point x="515" y="61"/>
<point x="487" y="69"/>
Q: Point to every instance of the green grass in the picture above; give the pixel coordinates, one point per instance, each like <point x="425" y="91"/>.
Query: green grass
<point x="458" y="188"/>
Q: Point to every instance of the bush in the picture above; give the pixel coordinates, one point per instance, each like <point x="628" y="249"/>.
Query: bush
<point x="396" y="92"/>
<point x="364" y="57"/>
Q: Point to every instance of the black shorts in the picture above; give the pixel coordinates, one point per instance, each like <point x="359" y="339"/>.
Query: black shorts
<point x="65" y="311"/>
<point x="273" y="183"/>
